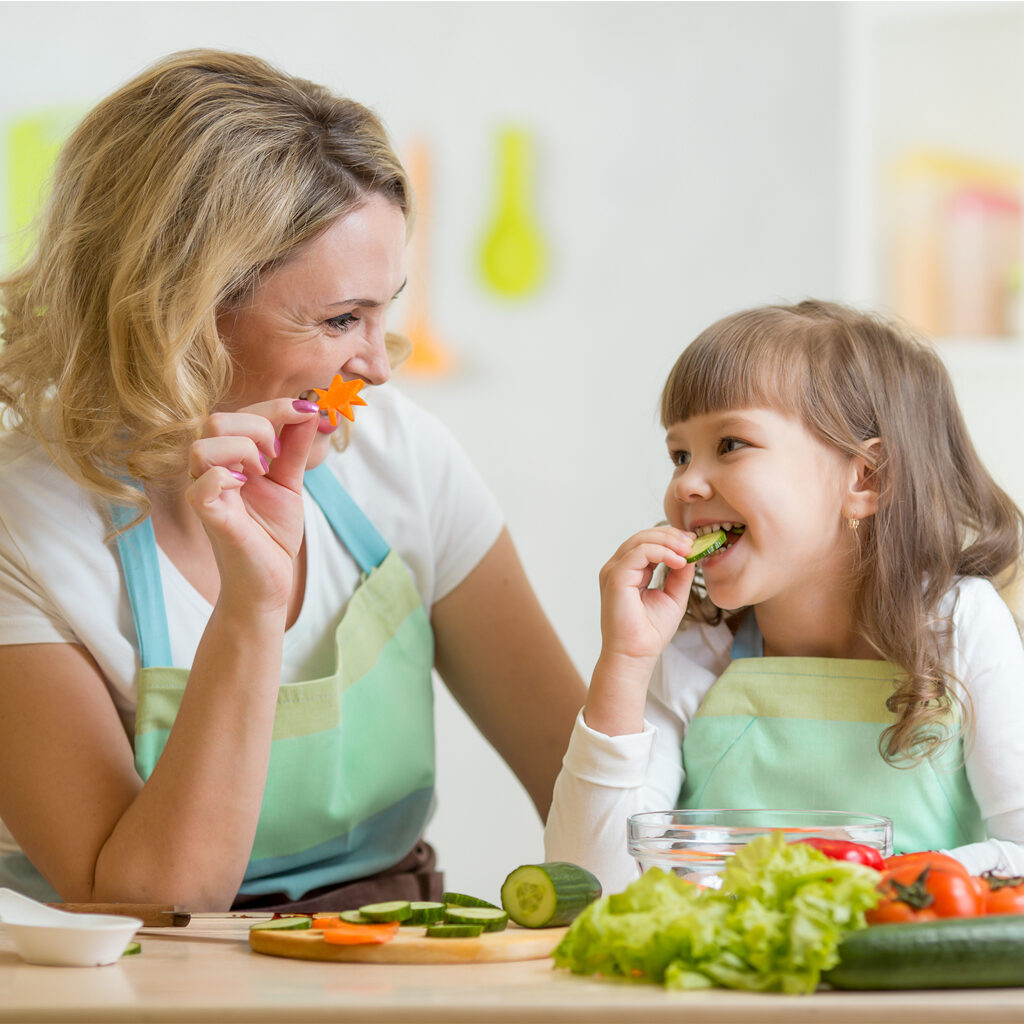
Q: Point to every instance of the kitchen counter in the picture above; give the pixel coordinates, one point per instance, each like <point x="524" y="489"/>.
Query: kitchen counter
<point x="208" y="973"/>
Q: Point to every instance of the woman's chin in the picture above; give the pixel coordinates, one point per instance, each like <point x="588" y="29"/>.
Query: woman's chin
<point x="319" y="451"/>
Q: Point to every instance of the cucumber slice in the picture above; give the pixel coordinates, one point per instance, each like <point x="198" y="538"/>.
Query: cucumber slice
<point x="132" y="948"/>
<point x="548" y="894"/>
<point x="354" y="917"/>
<point x="454" y="931"/>
<point x="393" y="910"/>
<point x="282" y="924"/>
<point x="459" y="899"/>
<point x="492" y="919"/>
<point x="425" y="912"/>
<point x="706" y="544"/>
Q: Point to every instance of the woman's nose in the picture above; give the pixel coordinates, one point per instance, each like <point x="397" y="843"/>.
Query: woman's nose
<point x="371" y="361"/>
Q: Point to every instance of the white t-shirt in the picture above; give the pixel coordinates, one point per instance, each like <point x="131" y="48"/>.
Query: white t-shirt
<point x="605" y="779"/>
<point x="61" y="583"/>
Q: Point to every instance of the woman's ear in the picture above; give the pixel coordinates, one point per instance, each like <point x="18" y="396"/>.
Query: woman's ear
<point x="862" y="495"/>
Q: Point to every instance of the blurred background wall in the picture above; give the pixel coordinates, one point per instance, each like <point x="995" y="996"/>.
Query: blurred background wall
<point x="678" y="161"/>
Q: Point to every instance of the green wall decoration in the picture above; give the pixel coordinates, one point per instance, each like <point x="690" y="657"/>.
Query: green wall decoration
<point x="31" y="142"/>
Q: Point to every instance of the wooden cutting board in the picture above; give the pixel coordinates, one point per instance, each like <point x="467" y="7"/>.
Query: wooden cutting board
<point x="411" y="946"/>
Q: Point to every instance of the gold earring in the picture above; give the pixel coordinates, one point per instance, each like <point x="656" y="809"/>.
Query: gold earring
<point x="854" y="522"/>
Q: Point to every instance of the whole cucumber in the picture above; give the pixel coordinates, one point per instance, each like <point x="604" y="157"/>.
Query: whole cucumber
<point x="954" y="952"/>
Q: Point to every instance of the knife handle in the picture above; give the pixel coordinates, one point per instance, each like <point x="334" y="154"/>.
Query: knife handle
<point x="152" y="915"/>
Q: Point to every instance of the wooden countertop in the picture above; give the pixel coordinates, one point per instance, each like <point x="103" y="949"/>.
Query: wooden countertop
<point x="207" y="972"/>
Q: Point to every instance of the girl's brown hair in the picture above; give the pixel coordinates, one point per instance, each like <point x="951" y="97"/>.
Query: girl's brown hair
<point x="168" y="202"/>
<point x="851" y="377"/>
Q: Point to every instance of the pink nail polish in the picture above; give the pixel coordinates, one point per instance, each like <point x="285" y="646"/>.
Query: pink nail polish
<point x="301" y="405"/>
<point x="277" y="446"/>
<point x="239" y="476"/>
<point x="264" y="463"/>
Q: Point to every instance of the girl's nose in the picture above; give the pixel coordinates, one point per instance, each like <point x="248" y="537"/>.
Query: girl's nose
<point x="691" y="485"/>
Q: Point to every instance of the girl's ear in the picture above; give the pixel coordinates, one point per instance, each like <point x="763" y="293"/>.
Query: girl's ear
<point x="862" y="495"/>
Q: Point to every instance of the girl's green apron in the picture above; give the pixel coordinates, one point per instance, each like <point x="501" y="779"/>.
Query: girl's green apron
<point x="802" y="733"/>
<point x="351" y="776"/>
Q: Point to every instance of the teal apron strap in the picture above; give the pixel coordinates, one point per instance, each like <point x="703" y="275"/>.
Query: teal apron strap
<point x="748" y="642"/>
<point x="347" y="519"/>
<point x="137" y="549"/>
<point x="138" y="552"/>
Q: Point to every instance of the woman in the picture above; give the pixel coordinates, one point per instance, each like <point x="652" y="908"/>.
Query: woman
<point x="219" y="612"/>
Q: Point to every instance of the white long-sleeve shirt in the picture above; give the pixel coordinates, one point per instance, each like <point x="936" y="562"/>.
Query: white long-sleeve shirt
<point x="605" y="779"/>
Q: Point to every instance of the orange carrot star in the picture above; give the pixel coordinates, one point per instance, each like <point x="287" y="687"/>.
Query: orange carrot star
<point x="339" y="398"/>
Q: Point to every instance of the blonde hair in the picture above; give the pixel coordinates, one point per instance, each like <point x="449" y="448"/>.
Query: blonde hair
<point x="168" y="202"/>
<point x="851" y="377"/>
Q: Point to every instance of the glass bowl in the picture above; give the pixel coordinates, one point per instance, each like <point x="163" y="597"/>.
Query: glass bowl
<point x="697" y="843"/>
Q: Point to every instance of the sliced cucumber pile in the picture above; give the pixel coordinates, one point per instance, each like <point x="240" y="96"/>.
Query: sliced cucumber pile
<point x="706" y="544"/>
<point x="549" y="894"/>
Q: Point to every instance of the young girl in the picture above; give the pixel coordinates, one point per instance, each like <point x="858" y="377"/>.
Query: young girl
<point x="846" y="649"/>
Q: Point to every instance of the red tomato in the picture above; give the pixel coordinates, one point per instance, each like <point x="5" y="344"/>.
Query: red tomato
<point x="842" y="849"/>
<point x="1003" y="895"/>
<point x="923" y="859"/>
<point x="898" y="912"/>
<point x="943" y="891"/>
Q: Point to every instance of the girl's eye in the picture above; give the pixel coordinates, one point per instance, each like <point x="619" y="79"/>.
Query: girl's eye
<point x="342" y="322"/>
<point x="731" y="444"/>
<point x="679" y="458"/>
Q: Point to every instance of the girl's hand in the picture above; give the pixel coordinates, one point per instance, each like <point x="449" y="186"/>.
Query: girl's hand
<point x="636" y="625"/>
<point x="247" y="471"/>
<point x="638" y="622"/>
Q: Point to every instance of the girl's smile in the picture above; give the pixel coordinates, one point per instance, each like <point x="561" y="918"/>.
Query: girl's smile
<point x="776" y="489"/>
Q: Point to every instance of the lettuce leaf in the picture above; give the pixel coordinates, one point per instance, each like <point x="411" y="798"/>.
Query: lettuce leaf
<point x="773" y="926"/>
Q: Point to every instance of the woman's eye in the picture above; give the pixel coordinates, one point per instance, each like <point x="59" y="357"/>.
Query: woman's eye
<point x="731" y="444"/>
<point x="342" y="322"/>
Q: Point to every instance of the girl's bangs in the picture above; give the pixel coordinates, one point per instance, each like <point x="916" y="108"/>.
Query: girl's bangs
<point x="733" y="365"/>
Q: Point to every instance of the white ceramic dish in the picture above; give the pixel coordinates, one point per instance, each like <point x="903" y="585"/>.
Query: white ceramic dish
<point x="55" y="938"/>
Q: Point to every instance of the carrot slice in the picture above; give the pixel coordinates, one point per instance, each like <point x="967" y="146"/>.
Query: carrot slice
<point x="345" y="934"/>
<point x="339" y="398"/>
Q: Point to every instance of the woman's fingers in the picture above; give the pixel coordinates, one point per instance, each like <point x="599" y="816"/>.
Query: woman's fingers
<point x="248" y="441"/>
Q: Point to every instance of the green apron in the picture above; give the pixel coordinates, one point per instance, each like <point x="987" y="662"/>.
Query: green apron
<point x="802" y="733"/>
<point x="351" y="776"/>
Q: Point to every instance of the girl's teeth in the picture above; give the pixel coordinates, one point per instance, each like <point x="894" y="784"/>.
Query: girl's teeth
<point x="701" y="530"/>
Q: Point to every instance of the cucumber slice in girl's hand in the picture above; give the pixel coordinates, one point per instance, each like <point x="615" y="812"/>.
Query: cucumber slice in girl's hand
<point x="706" y="544"/>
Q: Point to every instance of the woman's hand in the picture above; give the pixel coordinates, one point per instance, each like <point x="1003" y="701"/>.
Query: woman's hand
<point x="247" y="471"/>
<point x="637" y="622"/>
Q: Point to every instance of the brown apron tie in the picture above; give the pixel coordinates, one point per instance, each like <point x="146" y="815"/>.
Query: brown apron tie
<point x="412" y="878"/>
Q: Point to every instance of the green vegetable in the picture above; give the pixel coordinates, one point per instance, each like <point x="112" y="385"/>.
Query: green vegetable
<point x="774" y="925"/>
<point x="459" y="899"/>
<point x="953" y="952"/>
<point x="425" y="912"/>
<point x="706" y="544"/>
<point x="492" y="919"/>
<point x="131" y="949"/>
<point x="282" y="924"/>
<point x="393" y="910"/>
<point x="454" y="931"/>
<point x="354" y="917"/>
<point x="549" y="894"/>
